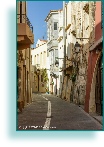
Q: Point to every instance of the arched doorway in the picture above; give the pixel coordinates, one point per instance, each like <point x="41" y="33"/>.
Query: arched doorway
<point x="99" y="87"/>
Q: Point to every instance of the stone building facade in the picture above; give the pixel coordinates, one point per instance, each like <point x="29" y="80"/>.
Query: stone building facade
<point x="67" y="69"/>
<point x="94" y="85"/>
<point x="25" y="38"/>
<point x="82" y="83"/>
<point x="39" y="63"/>
<point x="81" y="21"/>
<point x="52" y="20"/>
<point x="60" y="52"/>
<point x="79" y="27"/>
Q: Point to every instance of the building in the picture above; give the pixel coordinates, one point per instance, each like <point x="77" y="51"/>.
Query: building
<point x="94" y="86"/>
<point x="80" y="42"/>
<point x="80" y="28"/>
<point x="65" y="53"/>
<point x="39" y="66"/>
<point x="60" y="60"/>
<point x="52" y="20"/>
<point x="78" y="25"/>
<point x="68" y="36"/>
<point x="25" y="38"/>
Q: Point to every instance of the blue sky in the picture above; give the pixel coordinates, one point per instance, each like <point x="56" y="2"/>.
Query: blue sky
<point x="37" y="12"/>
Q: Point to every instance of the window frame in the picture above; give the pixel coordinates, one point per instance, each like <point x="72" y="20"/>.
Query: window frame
<point x="55" y="27"/>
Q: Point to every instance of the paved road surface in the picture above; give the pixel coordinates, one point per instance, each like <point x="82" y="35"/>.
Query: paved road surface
<point x="48" y="112"/>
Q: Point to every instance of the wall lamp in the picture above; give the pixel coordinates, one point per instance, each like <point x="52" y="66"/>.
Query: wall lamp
<point x="77" y="47"/>
<point x="57" y="62"/>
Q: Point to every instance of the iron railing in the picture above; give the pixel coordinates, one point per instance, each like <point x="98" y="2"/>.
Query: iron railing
<point x="22" y="18"/>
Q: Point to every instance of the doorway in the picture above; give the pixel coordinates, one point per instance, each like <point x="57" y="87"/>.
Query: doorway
<point x="27" y="87"/>
<point x="99" y="87"/>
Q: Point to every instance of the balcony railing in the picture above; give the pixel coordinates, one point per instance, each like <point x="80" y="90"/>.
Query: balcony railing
<point x="22" y="18"/>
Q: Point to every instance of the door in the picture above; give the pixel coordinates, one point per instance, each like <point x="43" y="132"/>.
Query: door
<point x="27" y="88"/>
<point x="99" y="88"/>
<point x="24" y="84"/>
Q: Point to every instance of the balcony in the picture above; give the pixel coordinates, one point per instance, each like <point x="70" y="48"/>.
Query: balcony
<point x="51" y="44"/>
<point x="25" y="36"/>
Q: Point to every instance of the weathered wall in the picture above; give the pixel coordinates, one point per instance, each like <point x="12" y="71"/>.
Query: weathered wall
<point x="24" y="78"/>
<point x="92" y="62"/>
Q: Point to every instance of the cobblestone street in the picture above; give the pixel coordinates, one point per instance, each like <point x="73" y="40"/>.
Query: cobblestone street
<point x="48" y="112"/>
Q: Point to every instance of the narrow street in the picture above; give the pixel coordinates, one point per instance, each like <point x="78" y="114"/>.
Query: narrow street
<point x="48" y="112"/>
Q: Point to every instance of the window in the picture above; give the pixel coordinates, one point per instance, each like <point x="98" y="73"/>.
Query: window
<point x="35" y="59"/>
<point x="49" y="32"/>
<point x="56" y="54"/>
<point x="38" y="59"/>
<point x="52" y="56"/>
<point x="41" y="59"/>
<point x="48" y="53"/>
<point x="55" y="25"/>
<point x="20" y="12"/>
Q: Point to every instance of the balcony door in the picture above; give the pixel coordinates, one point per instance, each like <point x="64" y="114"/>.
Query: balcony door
<point x="22" y="12"/>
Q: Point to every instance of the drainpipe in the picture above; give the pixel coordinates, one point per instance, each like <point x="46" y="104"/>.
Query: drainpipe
<point x="64" y="39"/>
<point x="81" y="29"/>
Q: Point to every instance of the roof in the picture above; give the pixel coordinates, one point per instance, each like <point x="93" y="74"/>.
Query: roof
<point x="43" y="40"/>
<point x="52" y="12"/>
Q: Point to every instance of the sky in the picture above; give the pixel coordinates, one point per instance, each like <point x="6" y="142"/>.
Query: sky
<point x="37" y="11"/>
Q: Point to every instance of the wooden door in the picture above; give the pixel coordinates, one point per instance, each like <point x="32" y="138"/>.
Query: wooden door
<point x="99" y="88"/>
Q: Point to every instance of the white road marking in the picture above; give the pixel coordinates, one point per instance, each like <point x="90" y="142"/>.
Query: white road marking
<point x="45" y="98"/>
<point x="49" y="109"/>
<point x="47" y="123"/>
